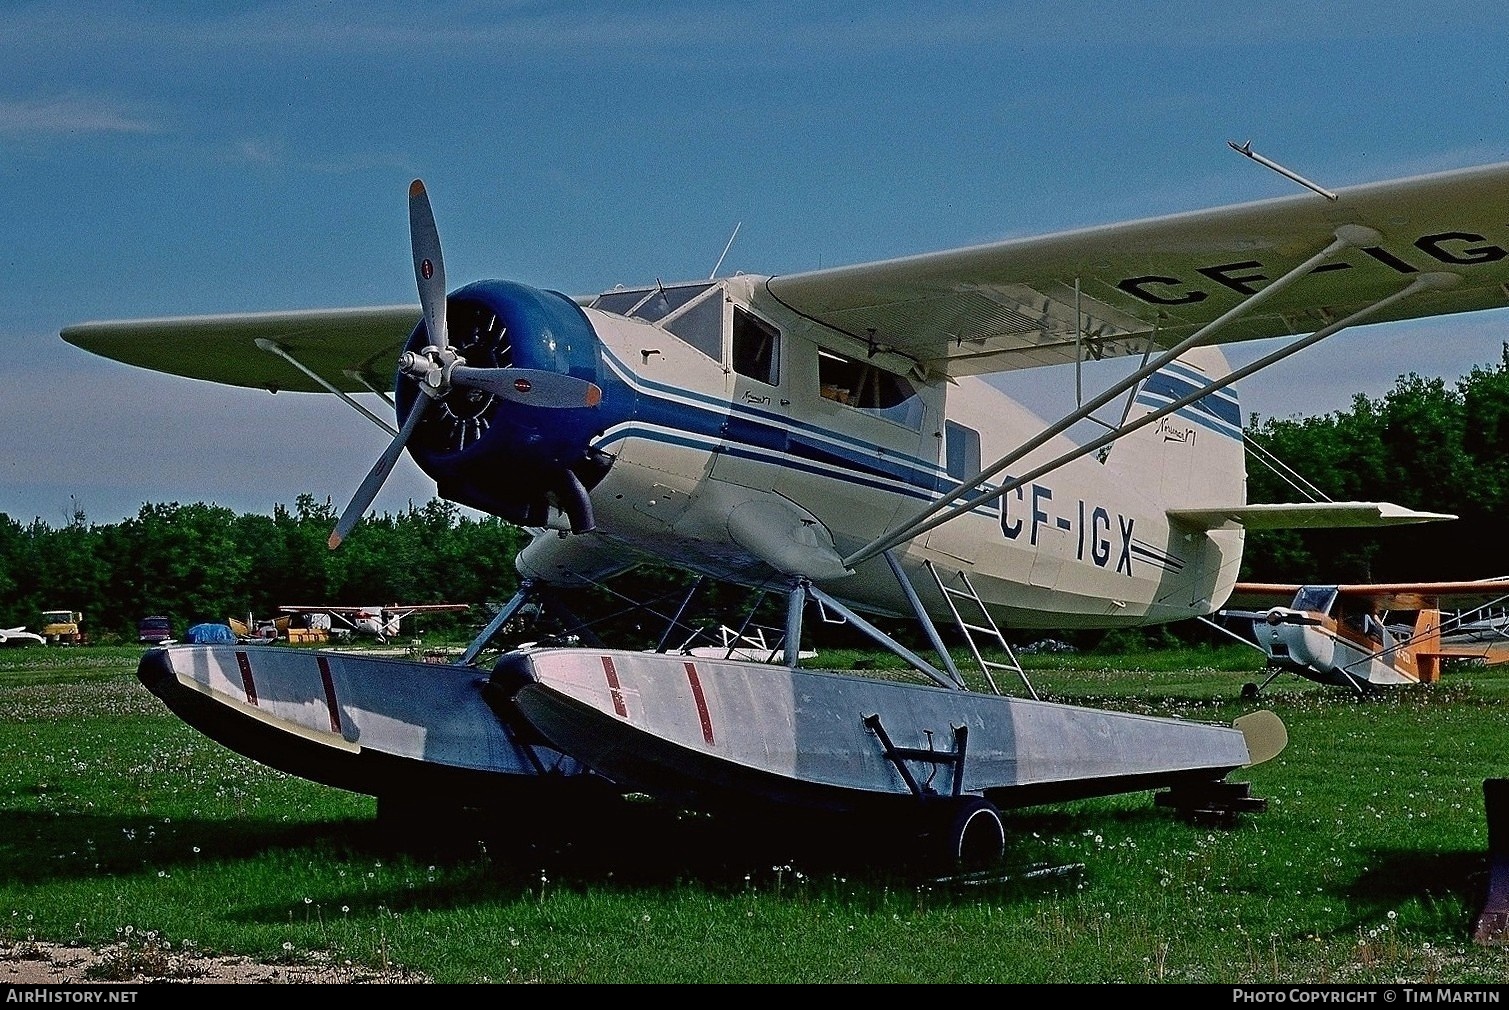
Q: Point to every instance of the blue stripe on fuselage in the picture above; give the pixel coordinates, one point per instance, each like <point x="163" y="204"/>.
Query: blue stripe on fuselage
<point x="680" y="416"/>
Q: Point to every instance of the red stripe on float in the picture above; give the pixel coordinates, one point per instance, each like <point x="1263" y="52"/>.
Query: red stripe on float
<point x="707" y="722"/>
<point x="247" y="684"/>
<point x="615" y="688"/>
<point x="335" y="712"/>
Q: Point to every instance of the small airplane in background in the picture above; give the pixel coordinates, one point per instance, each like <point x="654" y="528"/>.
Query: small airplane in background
<point x="20" y="636"/>
<point x="382" y="623"/>
<point x="1349" y="635"/>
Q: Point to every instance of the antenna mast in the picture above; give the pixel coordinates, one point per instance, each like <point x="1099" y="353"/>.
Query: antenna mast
<point x="725" y="252"/>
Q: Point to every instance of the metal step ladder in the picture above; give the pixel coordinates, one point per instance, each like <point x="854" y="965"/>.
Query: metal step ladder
<point x="971" y="630"/>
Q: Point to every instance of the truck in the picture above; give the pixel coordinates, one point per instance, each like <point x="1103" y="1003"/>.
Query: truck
<point x="62" y="627"/>
<point x="154" y="630"/>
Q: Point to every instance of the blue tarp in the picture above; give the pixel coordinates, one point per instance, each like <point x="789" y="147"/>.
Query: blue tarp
<point x="210" y="634"/>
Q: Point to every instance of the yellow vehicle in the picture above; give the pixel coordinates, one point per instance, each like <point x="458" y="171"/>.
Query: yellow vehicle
<point x="62" y="627"/>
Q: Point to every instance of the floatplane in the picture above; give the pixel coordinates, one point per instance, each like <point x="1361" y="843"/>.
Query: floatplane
<point x="831" y="434"/>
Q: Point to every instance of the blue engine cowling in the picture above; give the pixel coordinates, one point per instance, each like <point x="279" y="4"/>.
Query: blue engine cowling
<point x="514" y="460"/>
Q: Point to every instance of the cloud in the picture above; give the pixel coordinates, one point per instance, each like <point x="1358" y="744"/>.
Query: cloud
<point x="68" y="114"/>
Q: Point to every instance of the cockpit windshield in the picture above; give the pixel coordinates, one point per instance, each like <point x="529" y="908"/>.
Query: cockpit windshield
<point x="680" y="308"/>
<point x="651" y="303"/>
<point x="1317" y="599"/>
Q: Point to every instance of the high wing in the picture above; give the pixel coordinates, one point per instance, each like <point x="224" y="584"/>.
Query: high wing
<point x="1383" y="595"/>
<point x="403" y="608"/>
<point x="1015" y="304"/>
<point x="1279" y="267"/>
<point x="352" y="349"/>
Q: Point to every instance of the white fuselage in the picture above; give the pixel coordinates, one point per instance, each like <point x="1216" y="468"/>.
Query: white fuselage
<point x="1322" y="649"/>
<point x="736" y="475"/>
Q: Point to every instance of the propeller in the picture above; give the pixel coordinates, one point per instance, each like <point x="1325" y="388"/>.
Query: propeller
<point x="437" y="367"/>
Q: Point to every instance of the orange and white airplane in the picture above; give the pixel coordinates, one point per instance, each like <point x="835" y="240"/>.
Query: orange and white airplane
<point x="1362" y="637"/>
<point x="829" y="435"/>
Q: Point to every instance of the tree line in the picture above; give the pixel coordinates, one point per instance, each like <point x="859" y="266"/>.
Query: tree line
<point x="1426" y="444"/>
<point x="203" y="562"/>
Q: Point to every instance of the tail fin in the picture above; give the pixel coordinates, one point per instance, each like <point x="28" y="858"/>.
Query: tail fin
<point x="1426" y="645"/>
<point x="1193" y="456"/>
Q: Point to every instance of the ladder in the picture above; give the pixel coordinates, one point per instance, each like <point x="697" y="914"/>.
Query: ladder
<point x="988" y="627"/>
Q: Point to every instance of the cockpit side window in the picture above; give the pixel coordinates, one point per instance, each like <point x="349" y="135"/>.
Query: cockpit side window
<point x="757" y="348"/>
<point x="863" y="385"/>
<point x="701" y="326"/>
<point x="961" y="446"/>
<point x="618" y="302"/>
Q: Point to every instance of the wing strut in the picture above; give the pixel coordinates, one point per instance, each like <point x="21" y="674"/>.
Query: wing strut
<point x="385" y="396"/>
<point x="272" y="347"/>
<point x="944" y="509"/>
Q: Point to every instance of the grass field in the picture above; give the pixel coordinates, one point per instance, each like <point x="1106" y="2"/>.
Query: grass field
<point x="123" y="827"/>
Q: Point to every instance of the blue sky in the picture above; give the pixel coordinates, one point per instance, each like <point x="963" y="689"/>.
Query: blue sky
<point x="183" y="158"/>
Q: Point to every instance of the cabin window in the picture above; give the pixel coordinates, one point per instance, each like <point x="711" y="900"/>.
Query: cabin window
<point x="702" y="326"/>
<point x="961" y="447"/>
<point x="757" y="348"/>
<point x="866" y="387"/>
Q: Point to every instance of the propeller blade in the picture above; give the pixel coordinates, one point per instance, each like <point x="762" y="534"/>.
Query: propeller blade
<point x="1283" y="615"/>
<point x="530" y="385"/>
<point x="429" y="268"/>
<point x="377" y="475"/>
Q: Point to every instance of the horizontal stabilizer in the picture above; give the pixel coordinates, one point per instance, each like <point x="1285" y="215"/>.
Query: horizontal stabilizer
<point x="1303" y="516"/>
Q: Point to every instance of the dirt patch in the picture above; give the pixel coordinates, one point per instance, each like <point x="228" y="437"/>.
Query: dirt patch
<point x="32" y="963"/>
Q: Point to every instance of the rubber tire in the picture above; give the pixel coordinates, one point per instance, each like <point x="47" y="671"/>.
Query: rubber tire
<point x="975" y="838"/>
